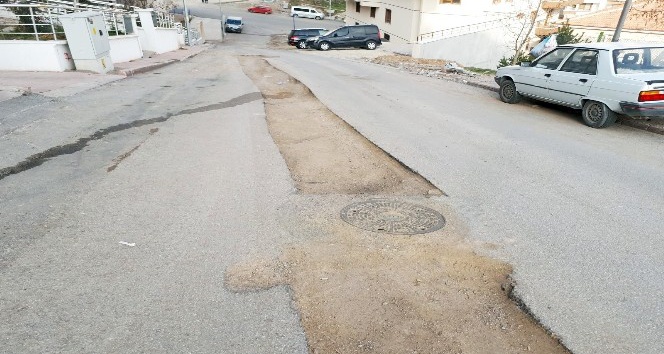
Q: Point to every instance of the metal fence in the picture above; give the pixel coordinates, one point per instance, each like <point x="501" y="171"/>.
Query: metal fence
<point x="39" y="21"/>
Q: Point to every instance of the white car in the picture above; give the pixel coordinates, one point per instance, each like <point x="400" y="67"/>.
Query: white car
<point x="308" y="12"/>
<point x="601" y="79"/>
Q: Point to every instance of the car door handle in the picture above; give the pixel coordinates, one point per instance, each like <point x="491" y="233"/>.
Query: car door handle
<point x="583" y="80"/>
<point x="547" y="75"/>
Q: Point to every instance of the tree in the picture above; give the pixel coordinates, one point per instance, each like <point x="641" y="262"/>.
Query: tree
<point x="565" y="35"/>
<point x="520" y="25"/>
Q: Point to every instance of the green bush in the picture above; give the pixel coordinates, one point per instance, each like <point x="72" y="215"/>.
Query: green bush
<point x="508" y="61"/>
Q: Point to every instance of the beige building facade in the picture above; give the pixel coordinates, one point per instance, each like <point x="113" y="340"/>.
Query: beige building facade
<point x="471" y="32"/>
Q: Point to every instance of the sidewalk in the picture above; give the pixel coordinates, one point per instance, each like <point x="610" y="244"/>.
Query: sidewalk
<point x="59" y="84"/>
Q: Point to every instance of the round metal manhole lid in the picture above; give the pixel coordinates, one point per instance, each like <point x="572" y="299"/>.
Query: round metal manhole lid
<point x="392" y="217"/>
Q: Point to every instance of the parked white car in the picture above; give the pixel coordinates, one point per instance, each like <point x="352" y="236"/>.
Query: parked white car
<point x="308" y="12"/>
<point x="601" y="79"/>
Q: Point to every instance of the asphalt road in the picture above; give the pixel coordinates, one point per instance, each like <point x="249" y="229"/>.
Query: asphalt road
<point x="120" y="244"/>
<point x="576" y="211"/>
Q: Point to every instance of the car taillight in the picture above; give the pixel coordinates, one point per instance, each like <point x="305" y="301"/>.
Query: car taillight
<point x="380" y="34"/>
<point x="294" y="38"/>
<point x="653" y="95"/>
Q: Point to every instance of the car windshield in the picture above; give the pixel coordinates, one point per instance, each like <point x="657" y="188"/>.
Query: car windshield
<point x="233" y="22"/>
<point x="639" y="60"/>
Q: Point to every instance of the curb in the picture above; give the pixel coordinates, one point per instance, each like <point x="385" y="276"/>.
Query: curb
<point x="634" y="123"/>
<point x="132" y="72"/>
<point x="150" y="67"/>
<point x="643" y="125"/>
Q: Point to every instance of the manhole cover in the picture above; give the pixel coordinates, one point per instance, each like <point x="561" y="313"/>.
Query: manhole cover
<point x="392" y="217"/>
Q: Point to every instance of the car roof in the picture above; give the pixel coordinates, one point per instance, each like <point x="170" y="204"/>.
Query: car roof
<point x="612" y="45"/>
<point x="233" y="18"/>
<point x="307" y="29"/>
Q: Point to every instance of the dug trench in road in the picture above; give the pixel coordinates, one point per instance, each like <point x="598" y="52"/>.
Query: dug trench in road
<point x="357" y="290"/>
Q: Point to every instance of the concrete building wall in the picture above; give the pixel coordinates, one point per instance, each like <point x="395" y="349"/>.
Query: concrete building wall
<point x="404" y="18"/>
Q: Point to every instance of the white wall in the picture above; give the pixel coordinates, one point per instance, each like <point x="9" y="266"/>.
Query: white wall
<point x="125" y="48"/>
<point x="165" y="40"/>
<point x="18" y="55"/>
<point x="488" y="47"/>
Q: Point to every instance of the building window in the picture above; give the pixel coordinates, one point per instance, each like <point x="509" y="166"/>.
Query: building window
<point x="373" y="12"/>
<point x="388" y="16"/>
<point x="449" y="1"/>
<point x="357" y="7"/>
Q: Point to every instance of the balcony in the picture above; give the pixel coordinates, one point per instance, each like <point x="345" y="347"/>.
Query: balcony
<point x="561" y="4"/>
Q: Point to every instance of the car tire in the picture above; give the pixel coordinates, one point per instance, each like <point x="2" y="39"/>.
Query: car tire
<point x="508" y="92"/>
<point x="371" y="45"/>
<point x="324" y="46"/>
<point x="319" y="18"/>
<point x="302" y="45"/>
<point x="597" y="115"/>
<point x="295" y="15"/>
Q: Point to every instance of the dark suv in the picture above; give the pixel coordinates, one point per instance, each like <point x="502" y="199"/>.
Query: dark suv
<point x="298" y="37"/>
<point x="359" y="36"/>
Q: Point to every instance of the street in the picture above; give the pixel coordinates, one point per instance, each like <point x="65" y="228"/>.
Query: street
<point x="173" y="211"/>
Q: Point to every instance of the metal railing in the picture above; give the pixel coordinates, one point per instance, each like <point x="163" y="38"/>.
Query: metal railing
<point x="39" y="21"/>
<point x="458" y="31"/>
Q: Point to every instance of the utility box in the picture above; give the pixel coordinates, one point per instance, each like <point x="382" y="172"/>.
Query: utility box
<point x="88" y="41"/>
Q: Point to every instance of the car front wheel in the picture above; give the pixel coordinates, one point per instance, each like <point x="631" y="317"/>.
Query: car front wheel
<point x="319" y="18"/>
<point x="324" y="46"/>
<point x="302" y="44"/>
<point x="371" y="45"/>
<point x="597" y="115"/>
<point x="508" y="92"/>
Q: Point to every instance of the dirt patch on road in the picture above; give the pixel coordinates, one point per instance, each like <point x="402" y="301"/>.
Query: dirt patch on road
<point x="323" y="153"/>
<point x="358" y="291"/>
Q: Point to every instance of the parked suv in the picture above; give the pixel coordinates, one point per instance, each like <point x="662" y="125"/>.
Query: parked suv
<point x="308" y="12"/>
<point x="298" y="37"/>
<point x="359" y="36"/>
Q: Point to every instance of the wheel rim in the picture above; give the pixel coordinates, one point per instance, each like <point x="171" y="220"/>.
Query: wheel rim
<point x="508" y="91"/>
<point x="324" y="46"/>
<point x="301" y="45"/>
<point x="594" y="112"/>
<point x="371" y="45"/>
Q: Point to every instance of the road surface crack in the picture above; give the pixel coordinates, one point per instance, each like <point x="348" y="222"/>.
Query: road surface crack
<point x="39" y="158"/>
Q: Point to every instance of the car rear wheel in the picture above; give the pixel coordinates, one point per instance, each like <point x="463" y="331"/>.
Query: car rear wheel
<point x="324" y="46"/>
<point x="508" y="92"/>
<point x="302" y="44"/>
<point x="294" y="15"/>
<point x="371" y="45"/>
<point x="597" y="115"/>
<point x="319" y="18"/>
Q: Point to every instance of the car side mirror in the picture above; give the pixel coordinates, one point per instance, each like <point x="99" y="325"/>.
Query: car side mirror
<point x="525" y="63"/>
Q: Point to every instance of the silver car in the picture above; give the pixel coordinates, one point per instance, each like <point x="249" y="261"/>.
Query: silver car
<point x="601" y="79"/>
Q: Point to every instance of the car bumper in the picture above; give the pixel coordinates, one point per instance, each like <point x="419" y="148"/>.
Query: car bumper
<point x="643" y="109"/>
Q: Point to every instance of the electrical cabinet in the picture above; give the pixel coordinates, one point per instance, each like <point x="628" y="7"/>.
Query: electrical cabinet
<point x="88" y="41"/>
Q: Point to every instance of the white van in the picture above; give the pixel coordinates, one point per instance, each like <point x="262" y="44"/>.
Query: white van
<point x="308" y="12"/>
